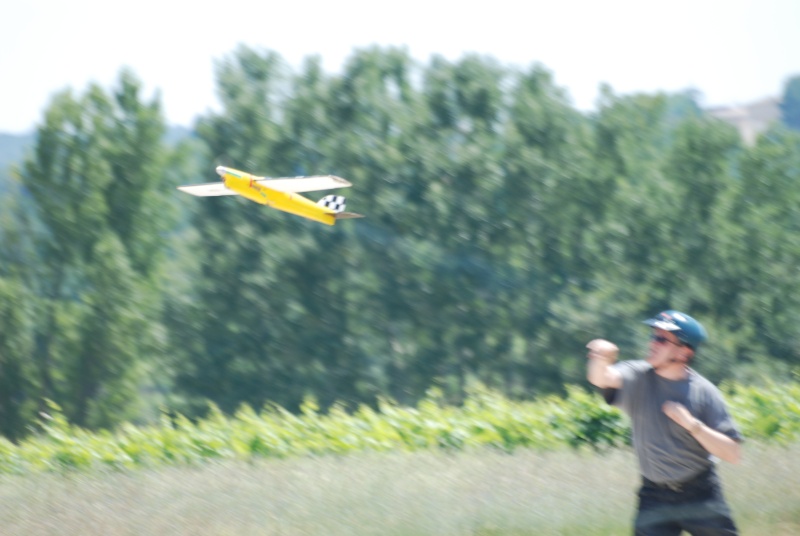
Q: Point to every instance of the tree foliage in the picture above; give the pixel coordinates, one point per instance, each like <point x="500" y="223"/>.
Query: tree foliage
<point x="504" y="230"/>
<point x="94" y="181"/>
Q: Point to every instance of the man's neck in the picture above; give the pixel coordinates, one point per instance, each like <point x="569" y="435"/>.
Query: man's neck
<point x="673" y="371"/>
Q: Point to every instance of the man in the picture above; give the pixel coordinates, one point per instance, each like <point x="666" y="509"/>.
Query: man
<point x="680" y="423"/>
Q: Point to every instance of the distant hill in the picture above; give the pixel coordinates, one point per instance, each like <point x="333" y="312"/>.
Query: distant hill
<point x="12" y="151"/>
<point x="175" y="135"/>
<point x="12" y="148"/>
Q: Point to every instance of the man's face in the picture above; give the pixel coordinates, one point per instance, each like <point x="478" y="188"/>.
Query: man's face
<point x="665" y="349"/>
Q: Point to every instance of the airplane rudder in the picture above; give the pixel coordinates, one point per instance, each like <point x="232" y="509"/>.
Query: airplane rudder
<point x="334" y="202"/>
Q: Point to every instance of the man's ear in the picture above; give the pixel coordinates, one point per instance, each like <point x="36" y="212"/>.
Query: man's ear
<point x="687" y="354"/>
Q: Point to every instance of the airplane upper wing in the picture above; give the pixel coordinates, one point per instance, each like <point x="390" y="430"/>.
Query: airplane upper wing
<point x="303" y="184"/>
<point x="207" y="190"/>
<point x="284" y="184"/>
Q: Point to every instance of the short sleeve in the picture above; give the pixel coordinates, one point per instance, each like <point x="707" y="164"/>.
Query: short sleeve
<point x="717" y="416"/>
<point x="609" y="394"/>
<point x="632" y="374"/>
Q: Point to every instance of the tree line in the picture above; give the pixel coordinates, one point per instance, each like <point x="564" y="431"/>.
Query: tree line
<point x="504" y="230"/>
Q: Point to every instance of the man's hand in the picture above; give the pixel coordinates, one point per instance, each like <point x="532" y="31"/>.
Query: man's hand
<point x="678" y="413"/>
<point x="602" y="354"/>
<point x="603" y="349"/>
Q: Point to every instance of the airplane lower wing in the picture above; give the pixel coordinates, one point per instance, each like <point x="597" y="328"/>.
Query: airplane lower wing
<point x="207" y="190"/>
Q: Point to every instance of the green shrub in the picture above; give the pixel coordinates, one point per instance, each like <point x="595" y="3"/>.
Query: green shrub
<point x="486" y="419"/>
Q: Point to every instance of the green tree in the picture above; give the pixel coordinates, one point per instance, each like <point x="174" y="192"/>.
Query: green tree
<point x="504" y="230"/>
<point x="658" y="183"/>
<point x="95" y="178"/>
<point x="758" y="304"/>
<point x="280" y="300"/>
<point x="18" y="388"/>
<point x="554" y="199"/>
<point x="239" y="301"/>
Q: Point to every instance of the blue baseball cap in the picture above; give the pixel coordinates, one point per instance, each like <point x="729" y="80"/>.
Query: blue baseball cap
<point x="688" y="330"/>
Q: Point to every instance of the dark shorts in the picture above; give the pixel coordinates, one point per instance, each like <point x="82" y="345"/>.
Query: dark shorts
<point x="697" y="507"/>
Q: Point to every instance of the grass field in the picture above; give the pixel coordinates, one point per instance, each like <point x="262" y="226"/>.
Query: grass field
<point x="484" y="493"/>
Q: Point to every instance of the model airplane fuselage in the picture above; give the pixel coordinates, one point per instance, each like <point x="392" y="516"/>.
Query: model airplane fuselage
<point x="280" y="193"/>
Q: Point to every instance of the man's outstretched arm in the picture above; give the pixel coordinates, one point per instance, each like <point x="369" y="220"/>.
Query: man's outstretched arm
<point x="602" y="354"/>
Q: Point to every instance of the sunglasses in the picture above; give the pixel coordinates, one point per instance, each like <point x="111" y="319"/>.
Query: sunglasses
<point x="663" y="340"/>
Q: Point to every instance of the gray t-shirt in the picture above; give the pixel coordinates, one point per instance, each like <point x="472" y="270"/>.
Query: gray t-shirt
<point x="667" y="452"/>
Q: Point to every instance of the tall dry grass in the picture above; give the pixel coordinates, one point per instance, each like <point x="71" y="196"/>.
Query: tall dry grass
<point x="484" y="493"/>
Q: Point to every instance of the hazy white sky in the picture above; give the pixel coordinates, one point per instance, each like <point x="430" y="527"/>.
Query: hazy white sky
<point x="732" y="51"/>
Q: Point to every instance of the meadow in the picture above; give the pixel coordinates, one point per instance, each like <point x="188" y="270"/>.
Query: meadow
<point x="488" y="467"/>
<point x="479" y="492"/>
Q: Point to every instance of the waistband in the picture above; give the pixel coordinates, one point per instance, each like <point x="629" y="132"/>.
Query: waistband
<point x="678" y="486"/>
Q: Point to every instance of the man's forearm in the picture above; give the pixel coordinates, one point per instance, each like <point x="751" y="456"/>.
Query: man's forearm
<point x="601" y="373"/>
<point x="597" y="372"/>
<point x="716" y="443"/>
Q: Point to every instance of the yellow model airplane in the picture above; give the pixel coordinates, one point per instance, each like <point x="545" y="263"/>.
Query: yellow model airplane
<point x="281" y="193"/>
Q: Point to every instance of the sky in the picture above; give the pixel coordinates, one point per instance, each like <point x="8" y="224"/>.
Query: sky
<point x="731" y="51"/>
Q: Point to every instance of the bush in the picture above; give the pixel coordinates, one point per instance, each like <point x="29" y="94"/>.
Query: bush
<point x="485" y="420"/>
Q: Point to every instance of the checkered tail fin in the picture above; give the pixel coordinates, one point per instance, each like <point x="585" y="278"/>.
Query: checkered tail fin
<point x="336" y="204"/>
